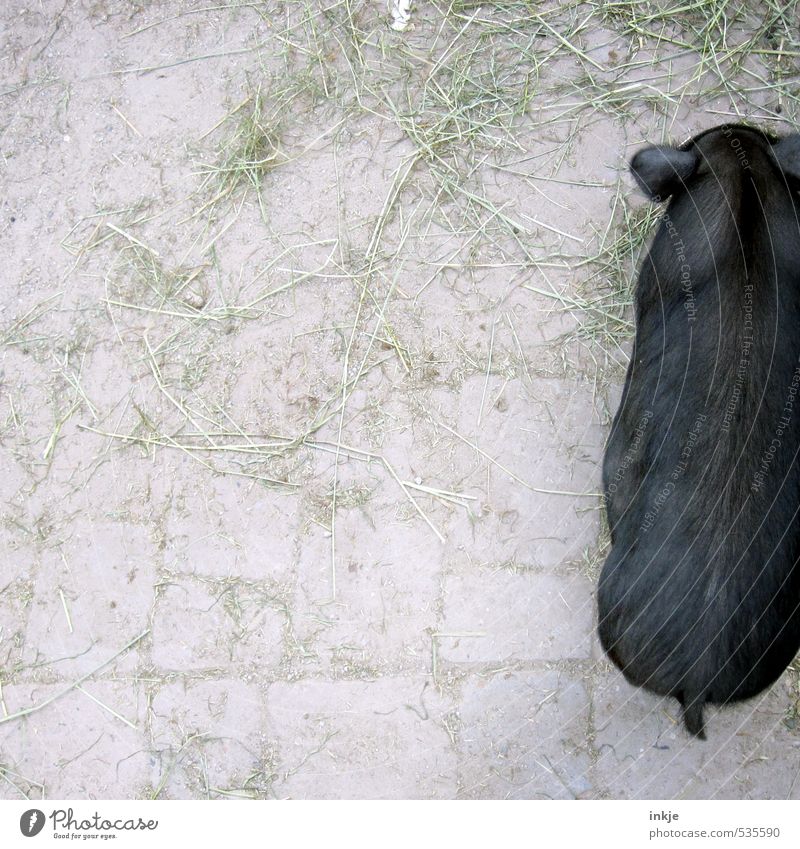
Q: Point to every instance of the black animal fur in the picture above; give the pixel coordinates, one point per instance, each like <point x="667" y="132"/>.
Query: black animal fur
<point x="699" y="597"/>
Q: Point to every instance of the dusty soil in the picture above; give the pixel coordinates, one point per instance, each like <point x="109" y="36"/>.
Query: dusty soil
<point x="311" y="329"/>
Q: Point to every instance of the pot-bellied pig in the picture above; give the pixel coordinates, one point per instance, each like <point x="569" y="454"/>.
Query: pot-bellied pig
<point x="699" y="597"/>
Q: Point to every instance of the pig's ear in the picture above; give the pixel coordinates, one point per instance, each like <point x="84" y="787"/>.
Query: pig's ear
<point x="661" y="171"/>
<point x="787" y="155"/>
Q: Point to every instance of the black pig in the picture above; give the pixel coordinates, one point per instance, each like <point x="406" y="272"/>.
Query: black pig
<point x="699" y="597"/>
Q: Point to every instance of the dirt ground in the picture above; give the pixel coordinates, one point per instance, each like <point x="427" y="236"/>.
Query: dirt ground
<point x="311" y="331"/>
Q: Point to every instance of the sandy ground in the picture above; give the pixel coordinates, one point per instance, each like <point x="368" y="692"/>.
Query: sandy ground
<point x="311" y="330"/>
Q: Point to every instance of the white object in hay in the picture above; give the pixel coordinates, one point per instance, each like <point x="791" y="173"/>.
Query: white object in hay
<point x="401" y="14"/>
